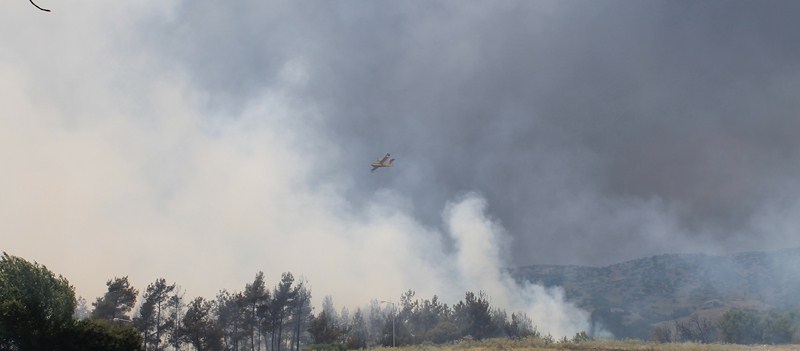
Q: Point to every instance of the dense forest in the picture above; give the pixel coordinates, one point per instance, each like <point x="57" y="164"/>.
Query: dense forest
<point x="39" y="310"/>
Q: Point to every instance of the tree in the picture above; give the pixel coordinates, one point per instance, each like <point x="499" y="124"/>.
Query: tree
<point x="325" y="330"/>
<point x="199" y="327"/>
<point x="444" y="331"/>
<point x="117" y="301"/>
<point x="696" y="329"/>
<point x="281" y="305"/>
<point x="255" y="298"/>
<point x="663" y="334"/>
<point x="404" y="327"/>
<point x="301" y="314"/>
<point x="427" y="315"/>
<point x="738" y="327"/>
<point x="230" y="316"/>
<point x="776" y="328"/>
<point x="521" y="326"/>
<point x="327" y="306"/>
<point x="36" y="306"/>
<point x="152" y="320"/>
<point x="81" y="310"/>
<point x="358" y="335"/>
<point x="474" y="316"/>
<point x="175" y="305"/>
<point x="375" y="321"/>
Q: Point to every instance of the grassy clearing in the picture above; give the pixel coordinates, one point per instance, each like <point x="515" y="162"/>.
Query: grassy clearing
<point x="538" y="344"/>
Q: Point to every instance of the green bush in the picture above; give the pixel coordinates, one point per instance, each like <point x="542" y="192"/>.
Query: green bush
<point x="36" y="306"/>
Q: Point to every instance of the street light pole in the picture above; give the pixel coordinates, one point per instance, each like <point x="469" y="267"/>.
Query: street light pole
<point x="394" y="311"/>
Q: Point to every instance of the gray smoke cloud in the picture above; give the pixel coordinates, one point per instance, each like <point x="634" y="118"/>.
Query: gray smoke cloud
<point x="616" y="130"/>
<point x="166" y="139"/>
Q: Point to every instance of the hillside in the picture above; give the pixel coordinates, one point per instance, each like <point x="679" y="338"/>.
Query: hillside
<point x="632" y="297"/>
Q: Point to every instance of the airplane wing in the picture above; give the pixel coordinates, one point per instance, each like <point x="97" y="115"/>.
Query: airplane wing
<point x="381" y="162"/>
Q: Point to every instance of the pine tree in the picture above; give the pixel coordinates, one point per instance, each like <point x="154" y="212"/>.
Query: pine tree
<point x="255" y="297"/>
<point x="117" y="301"/>
<point x="282" y="301"/>
<point x="230" y="316"/>
<point x="358" y="334"/>
<point x="301" y="314"/>
<point x="199" y="328"/>
<point x="152" y="320"/>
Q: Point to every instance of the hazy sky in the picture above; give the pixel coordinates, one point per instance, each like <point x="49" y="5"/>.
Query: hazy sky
<point x="202" y="141"/>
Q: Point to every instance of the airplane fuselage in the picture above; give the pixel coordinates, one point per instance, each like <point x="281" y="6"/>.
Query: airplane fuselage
<point x="381" y="162"/>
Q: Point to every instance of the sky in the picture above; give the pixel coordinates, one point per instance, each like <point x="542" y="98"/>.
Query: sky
<point x="202" y="141"/>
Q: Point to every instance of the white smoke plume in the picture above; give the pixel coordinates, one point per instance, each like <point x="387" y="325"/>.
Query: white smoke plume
<point x="115" y="163"/>
<point x="481" y="247"/>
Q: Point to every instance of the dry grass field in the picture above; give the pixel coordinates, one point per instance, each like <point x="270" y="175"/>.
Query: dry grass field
<point x="611" y="345"/>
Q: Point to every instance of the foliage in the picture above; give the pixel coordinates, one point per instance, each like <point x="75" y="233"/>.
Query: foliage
<point x="254" y="304"/>
<point x="696" y="329"/>
<point x="651" y="291"/>
<point x="357" y="338"/>
<point x="280" y="308"/>
<point x="199" y="328"/>
<point x="91" y="334"/>
<point x="301" y="315"/>
<point x="36" y="313"/>
<point x="230" y="316"/>
<point x="152" y="321"/>
<point x="547" y="344"/>
<point x="663" y="334"/>
<point x="581" y="337"/>
<point x="751" y="327"/>
<point x="36" y="306"/>
<point x="474" y="316"/>
<point x="117" y="301"/>
<point x="325" y="330"/>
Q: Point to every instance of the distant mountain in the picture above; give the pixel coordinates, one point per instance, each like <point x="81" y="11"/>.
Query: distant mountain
<point x="632" y="297"/>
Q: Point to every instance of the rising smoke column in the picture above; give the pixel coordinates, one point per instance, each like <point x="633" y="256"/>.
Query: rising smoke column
<point x="481" y="246"/>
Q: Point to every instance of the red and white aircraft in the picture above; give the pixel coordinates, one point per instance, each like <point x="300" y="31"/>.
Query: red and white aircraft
<point x="381" y="162"/>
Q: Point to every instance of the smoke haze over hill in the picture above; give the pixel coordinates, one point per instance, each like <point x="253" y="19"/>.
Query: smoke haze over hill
<point x="202" y="142"/>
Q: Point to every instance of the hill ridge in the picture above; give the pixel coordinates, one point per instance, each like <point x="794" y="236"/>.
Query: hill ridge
<point x="631" y="297"/>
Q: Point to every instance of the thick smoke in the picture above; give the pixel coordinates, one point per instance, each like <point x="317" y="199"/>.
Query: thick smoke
<point x="481" y="248"/>
<point x="146" y="179"/>
<point x="202" y="142"/>
<point x="607" y="130"/>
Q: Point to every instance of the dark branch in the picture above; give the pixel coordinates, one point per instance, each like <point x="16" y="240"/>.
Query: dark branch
<point x="37" y="6"/>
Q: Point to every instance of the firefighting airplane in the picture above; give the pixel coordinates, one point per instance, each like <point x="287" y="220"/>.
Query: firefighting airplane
<point x="381" y="162"/>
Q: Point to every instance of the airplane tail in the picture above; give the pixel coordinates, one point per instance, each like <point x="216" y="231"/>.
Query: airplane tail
<point x="390" y="162"/>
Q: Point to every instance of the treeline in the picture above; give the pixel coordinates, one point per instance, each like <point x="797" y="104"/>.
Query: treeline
<point x="254" y="319"/>
<point x="736" y="326"/>
<point x="413" y="321"/>
<point x="282" y="319"/>
<point x="38" y="311"/>
<point x="766" y="327"/>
